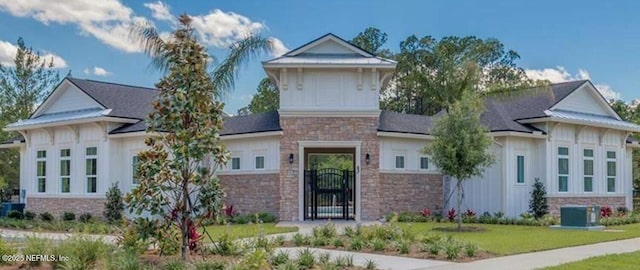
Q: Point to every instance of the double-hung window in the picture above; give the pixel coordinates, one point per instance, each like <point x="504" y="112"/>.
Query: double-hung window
<point x="399" y="162"/>
<point x="41" y="170"/>
<point x="91" y="168"/>
<point x="611" y="171"/>
<point x="424" y="163"/>
<point x="563" y="169"/>
<point x="235" y="163"/>
<point x="65" y="170"/>
<point x="587" y="169"/>
<point x="259" y="162"/>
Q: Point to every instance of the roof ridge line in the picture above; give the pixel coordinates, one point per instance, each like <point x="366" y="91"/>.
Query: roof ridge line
<point x="115" y="83"/>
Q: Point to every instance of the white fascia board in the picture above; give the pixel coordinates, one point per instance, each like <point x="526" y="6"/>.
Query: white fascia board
<point x="15" y="144"/>
<point x="405" y="135"/>
<point x="577" y="122"/>
<point x="75" y="122"/>
<point x="534" y="135"/>
<point x="250" y="135"/>
<point x="302" y="65"/>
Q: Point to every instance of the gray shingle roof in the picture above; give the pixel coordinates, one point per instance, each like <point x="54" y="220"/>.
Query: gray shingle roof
<point x="260" y="122"/>
<point x="125" y="101"/>
<point x="404" y="123"/>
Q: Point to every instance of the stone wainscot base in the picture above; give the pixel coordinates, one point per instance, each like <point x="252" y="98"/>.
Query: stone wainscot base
<point x="57" y="206"/>
<point x="556" y="202"/>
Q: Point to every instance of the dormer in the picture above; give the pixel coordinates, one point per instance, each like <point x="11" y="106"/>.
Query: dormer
<point x="329" y="76"/>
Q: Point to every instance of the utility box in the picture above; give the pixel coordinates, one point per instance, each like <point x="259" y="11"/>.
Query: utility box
<point x="9" y="206"/>
<point x="579" y="215"/>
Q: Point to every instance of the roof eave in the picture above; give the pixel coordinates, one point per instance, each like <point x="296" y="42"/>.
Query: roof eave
<point x="73" y="122"/>
<point x="336" y="65"/>
<point x="577" y="122"/>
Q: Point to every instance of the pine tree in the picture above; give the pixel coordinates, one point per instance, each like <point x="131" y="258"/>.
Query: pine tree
<point x="538" y="206"/>
<point x="114" y="206"/>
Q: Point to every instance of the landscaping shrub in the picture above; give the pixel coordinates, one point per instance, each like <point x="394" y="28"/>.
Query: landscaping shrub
<point x="377" y="244"/>
<point x="124" y="261"/>
<point x="356" y="244"/>
<point x="256" y="259"/>
<point x="176" y="265"/>
<point x="35" y="245"/>
<point x="606" y="211"/>
<point x="471" y="249"/>
<point x="300" y="240"/>
<point x="68" y="216"/>
<point x="337" y="242"/>
<point x="85" y="218"/>
<point x="451" y="215"/>
<point x="621" y="211"/>
<point x="370" y="264"/>
<point x="403" y="246"/>
<point x="210" y="265"/>
<point x="130" y="241"/>
<point x="83" y="253"/>
<point x="46" y="216"/>
<point x="469" y="216"/>
<point x="306" y="258"/>
<point x="114" y="207"/>
<point x="28" y="215"/>
<point x="169" y="243"/>
<point x="15" y="214"/>
<point x="226" y="246"/>
<point x="266" y="217"/>
<point x="241" y="219"/>
<point x="281" y="257"/>
<point x="538" y="206"/>
<point x="5" y="250"/>
<point x="452" y="249"/>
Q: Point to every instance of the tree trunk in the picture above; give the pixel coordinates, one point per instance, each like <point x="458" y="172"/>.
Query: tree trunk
<point x="185" y="216"/>
<point x="459" y="191"/>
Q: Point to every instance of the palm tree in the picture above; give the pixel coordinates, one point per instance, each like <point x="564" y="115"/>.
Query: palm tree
<point x="222" y="75"/>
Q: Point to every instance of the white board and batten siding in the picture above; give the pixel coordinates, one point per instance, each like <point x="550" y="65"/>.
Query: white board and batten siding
<point x="329" y="47"/>
<point x="483" y="193"/>
<point x="64" y="138"/>
<point x="583" y="100"/>
<point x="330" y="90"/>
<point x="410" y="149"/>
<point x="69" y="98"/>
<point x="248" y="149"/>
<point x="564" y="135"/>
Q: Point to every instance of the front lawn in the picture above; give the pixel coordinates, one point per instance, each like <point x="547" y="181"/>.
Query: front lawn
<point x="238" y="231"/>
<point x="615" y="261"/>
<point x="503" y="240"/>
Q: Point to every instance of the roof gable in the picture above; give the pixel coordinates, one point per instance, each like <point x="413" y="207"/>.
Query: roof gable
<point x="329" y="44"/>
<point x="66" y="97"/>
<point x="586" y="99"/>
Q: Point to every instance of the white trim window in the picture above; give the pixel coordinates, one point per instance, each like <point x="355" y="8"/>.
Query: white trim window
<point x="41" y="171"/>
<point x="399" y="162"/>
<point x="424" y="163"/>
<point x="611" y="171"/>
<point x="519" y="169"/>
<point x="235" y="163"/>
<point x="134" y="167"/>
<point x="91" y="169"/>
<point x="259" y="162"/>
<point x="587" y="169"/>
<point x="563" y="169"/>
<point x="65" y="170"/>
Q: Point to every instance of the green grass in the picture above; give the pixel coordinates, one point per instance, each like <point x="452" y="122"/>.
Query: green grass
<point x="510" y="239"/>
<point x="615" y="261"/>
<point x="246" y="230"/>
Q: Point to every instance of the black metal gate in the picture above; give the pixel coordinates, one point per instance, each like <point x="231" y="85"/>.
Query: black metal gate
<point x="329" y="193"/>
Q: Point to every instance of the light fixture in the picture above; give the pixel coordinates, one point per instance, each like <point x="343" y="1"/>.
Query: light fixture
<point x="291" y="158"/>
<point x="367" y="158"/>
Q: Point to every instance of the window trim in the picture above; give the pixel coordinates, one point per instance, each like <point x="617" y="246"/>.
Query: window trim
<point x="43" y="177"/>
<point x="239" y="163"/>
<point x="524" y="170"/>
<point x="255" y="162"/>
<point x="420" y="163"/>
<point x="558" y="174"/>
<point x="87" y="176"/>
<point x="62" y="177"/>
<point x="404" y="162"/>
<point x="584" y="176"/>
<point x="615" y="171"/>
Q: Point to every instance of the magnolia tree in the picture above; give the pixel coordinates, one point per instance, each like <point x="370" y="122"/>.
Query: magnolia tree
<point x="176" y="174"/>
<point x="459" y="148"/>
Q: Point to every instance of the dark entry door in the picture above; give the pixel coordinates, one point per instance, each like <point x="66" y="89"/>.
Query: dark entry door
<point x="329" y="193"/>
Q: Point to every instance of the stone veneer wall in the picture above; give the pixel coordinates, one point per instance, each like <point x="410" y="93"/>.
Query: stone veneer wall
<point x="556" y="202"/>
<point x="250" y="193"/>
<point x="362" y="129"/>
<point x="57" y="206"/>
<point x="412" y="192"/>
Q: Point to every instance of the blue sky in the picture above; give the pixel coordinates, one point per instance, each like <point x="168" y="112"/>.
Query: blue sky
<point x="557" y="40"/>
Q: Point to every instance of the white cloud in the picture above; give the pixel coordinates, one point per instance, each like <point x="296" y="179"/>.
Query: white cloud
<point x="98" y="71"/>
<point x="221" y="29"/>
<point x="278" y="47"/>
<point x="160" y="11"/>
<point x="8" y="53"/>
<point x="560" y="74"/>
<point x="107" y="20"/>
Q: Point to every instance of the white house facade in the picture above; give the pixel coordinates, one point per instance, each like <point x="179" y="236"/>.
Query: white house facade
<point x="86" y="135"/>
